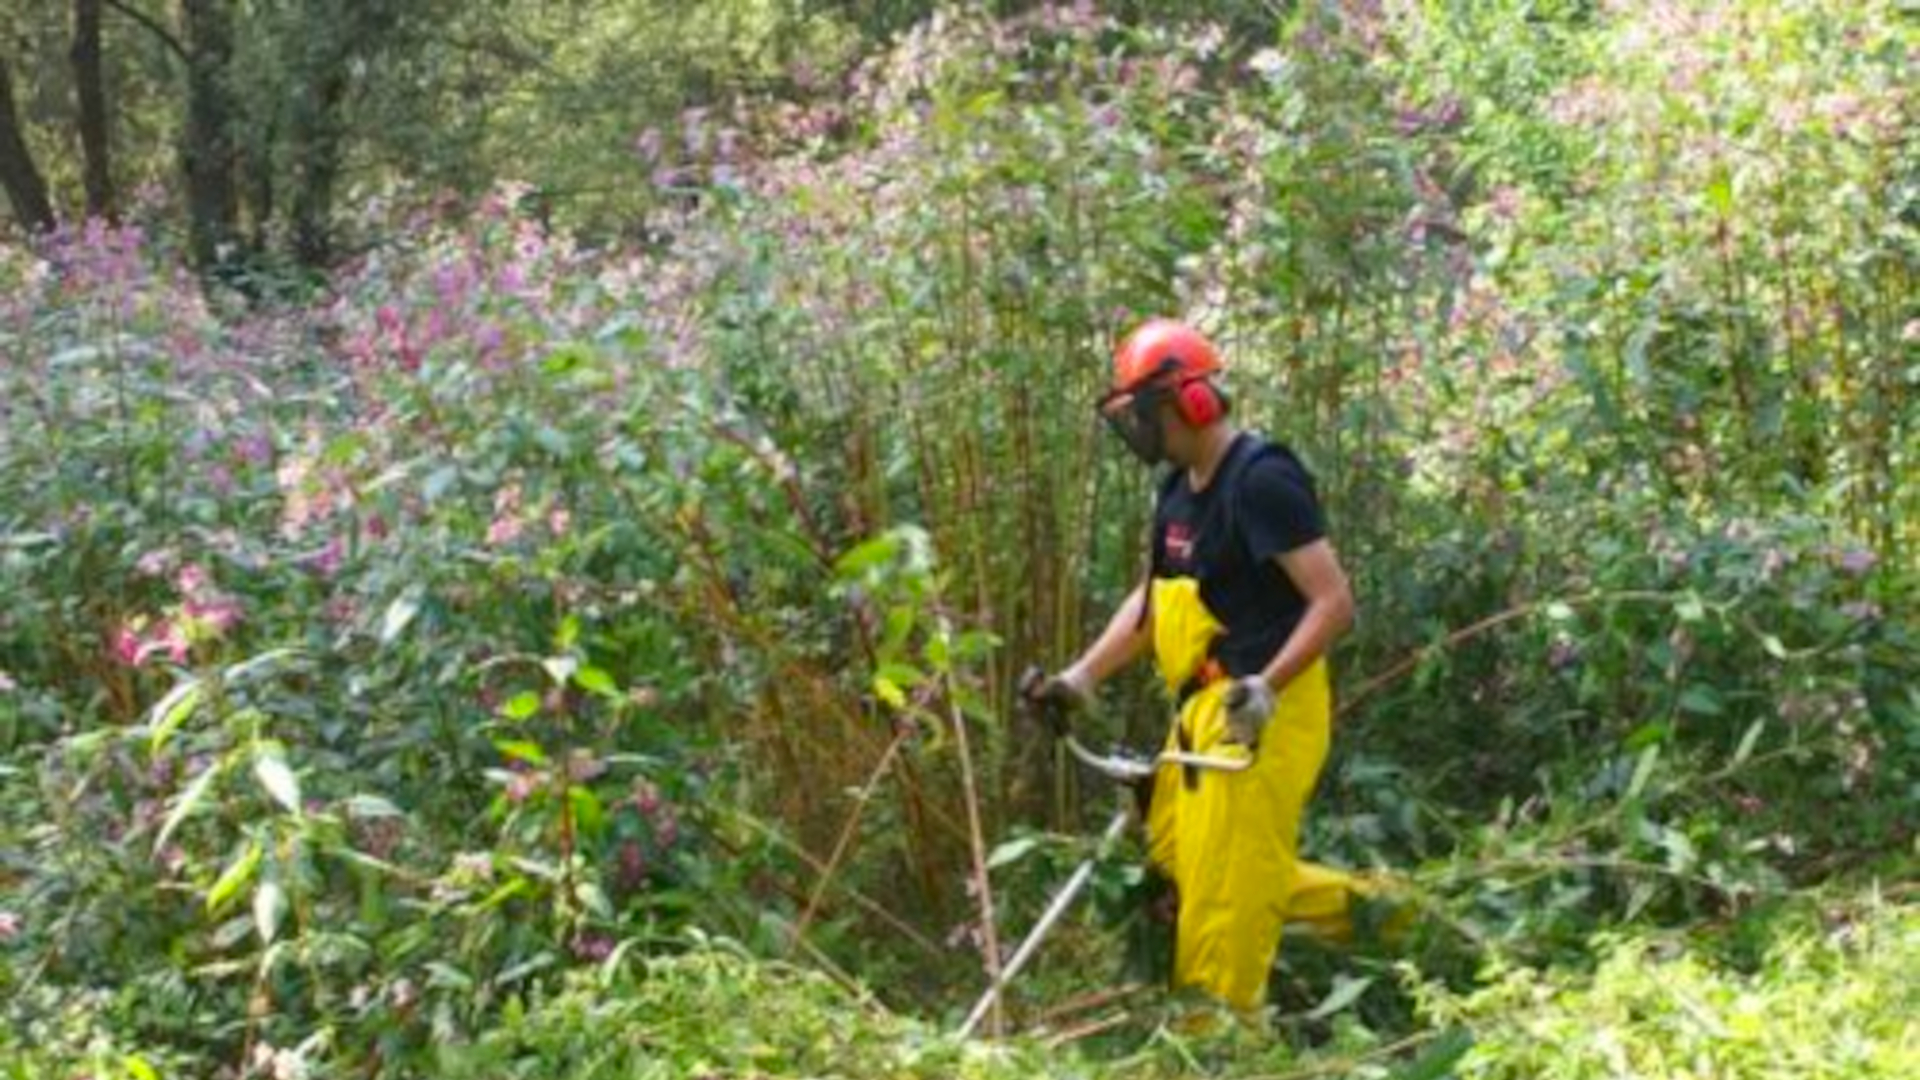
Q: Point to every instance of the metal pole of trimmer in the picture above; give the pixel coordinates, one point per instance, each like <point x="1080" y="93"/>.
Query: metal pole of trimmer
<point x="1031" y="944"/>
<point x="1121" y="768"/>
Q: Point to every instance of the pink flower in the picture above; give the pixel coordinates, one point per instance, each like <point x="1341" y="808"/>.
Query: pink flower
<point x="9" y="926"/>
<point x="155" y="563"/>
<point x="593" y="948"/>
<point x="1858" y="561"/>
<point x="522" y="785"/>
<point x="503" y="531"/>
<point x="215" y="615"/>
<point x="7" y="685"/>
<point x="126" y="644"/>
<point x="632" y="862"/>
<point x="559" y="520"/>
<point x="647" y="146"/>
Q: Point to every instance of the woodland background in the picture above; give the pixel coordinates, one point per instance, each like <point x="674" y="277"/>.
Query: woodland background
<point x="519" y="520"/>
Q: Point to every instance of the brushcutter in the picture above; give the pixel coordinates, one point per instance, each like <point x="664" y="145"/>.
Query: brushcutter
<point x="1128" y="770"/>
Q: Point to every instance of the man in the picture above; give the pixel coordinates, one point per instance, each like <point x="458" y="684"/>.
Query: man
<point x="1244" y="597"/>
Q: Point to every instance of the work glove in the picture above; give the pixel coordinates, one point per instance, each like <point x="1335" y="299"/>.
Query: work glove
<point x="1056" y="699"/>
<point x="1249" y="707"/>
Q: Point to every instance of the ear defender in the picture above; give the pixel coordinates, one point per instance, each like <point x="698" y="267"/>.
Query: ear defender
<point x="1200" y="403"/>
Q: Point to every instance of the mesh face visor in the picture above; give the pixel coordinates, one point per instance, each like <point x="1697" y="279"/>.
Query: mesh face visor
<point x="1134" y="415"/>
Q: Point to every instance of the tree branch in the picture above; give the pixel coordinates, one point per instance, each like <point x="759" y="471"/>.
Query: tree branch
<point x="166" y="36"/>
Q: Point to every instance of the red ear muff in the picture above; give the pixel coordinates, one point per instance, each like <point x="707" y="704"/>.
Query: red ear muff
<point x="1198" y="403"/>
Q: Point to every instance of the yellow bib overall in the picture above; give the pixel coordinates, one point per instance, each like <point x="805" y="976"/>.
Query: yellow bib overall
<point x="1230" y="841"/>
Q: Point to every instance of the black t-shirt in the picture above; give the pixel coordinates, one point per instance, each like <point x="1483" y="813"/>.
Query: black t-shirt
<point x="1194" y="535"/>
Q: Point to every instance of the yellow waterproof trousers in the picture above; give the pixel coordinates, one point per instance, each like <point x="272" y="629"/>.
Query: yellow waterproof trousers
<point x="1230" y="841"/>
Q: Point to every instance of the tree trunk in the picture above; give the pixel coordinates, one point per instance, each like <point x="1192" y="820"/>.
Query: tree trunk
<point x="26" y="190"/>
<point x="316" y="148"/>
<point x="207" y="152"/>
<point x="316" y="136"/>
<point x="90" y="86"/>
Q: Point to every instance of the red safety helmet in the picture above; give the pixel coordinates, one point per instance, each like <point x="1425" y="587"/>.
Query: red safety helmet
<point x="1162" y="360"/>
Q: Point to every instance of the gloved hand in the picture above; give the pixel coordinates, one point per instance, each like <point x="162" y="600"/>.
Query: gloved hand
<point x="1250" y="703"/>
<point x="1056" y="699"/>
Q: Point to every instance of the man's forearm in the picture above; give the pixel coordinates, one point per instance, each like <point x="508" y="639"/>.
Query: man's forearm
<point x="1324" y="622"/>
<point x="1119" y="644"/>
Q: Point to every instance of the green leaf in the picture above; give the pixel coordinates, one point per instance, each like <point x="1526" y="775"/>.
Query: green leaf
<point x="1690" y="608"/>
<point x="867" y="556"/>
<point x="279" y="780"/>
<point x="1012" y="851"/>
<point x="1436" y="1062"/>
<point x="173" y="710"/>
<point x="1748" y="741"/>
<point x="269" y="905"/>
<point x="234" y="877"/>
<point x="889" y="691"/>
<point x="560" y="668"/>
<point x="595" y="680"/>
<point x="1702" y="700"/>
<point x="372" y="806"/>
<point x="1346" y="991"/>
<point x="521" y="706"/>
<point x="248" y="669"/>
<point x="1559" y="611"/>
<point x="400" y="613"/>
<point x="568" y="634"/>
<point x="1643" y="771"/>
<point x="521" y="970"/>
<point x="521" y="750"/>
<point x="138" y="1068"/>
<point x="188" y="802"/>
<point x="1775" y="648"/>
<point x="588" y="812"/>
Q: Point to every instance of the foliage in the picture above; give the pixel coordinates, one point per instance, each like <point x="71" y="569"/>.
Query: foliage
<point x="400" y="671"/>
<point x="1833" y="1000"/>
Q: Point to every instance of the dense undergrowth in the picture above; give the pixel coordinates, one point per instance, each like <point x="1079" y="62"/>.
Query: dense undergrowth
<point x="520" y="657"/>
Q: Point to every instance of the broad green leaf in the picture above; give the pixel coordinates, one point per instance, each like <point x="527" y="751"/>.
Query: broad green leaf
<point x="188" y="802"/>
<point x="400" y="613"/>
<point x="1702" y="700"/>
<point x="235" y="876"/>
<point x="171" y="711"/>
<point x="889" y="691"/>
<point x="595" y="680"/>
<point x="279" y="780"/>
<point x="588" y="812"/>
<point x="372" y="806"/>
<point x="138" y="1068"/>
<point x="1346" y="991"/>
<point x="867" y="556"/>
<point x="560" y="668"/>
<point x="254" y="666"/>
<point x="1748" y="741"/>
<point x="1012" y="851"/>
<point x="1775" y="648"/>
<point x="1643" y="771"/>
<point x="521" y="706"/>
<point x="269" y="905"/>
<point x="525" y="968"/>
<point x="521" y="750"/>
<point x="1437" y="1061"/>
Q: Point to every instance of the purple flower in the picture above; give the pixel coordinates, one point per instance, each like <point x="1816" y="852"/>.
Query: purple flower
<point x="632" y="865"/>
<point x="593" y="947"/>
<point x="1858" y="561"/>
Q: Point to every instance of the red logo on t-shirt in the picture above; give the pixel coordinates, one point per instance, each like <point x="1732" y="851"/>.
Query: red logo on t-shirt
<point x="1179" y="542"/>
